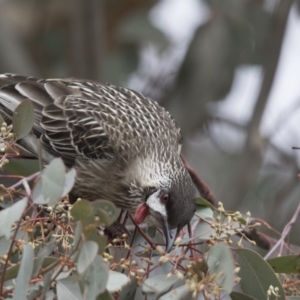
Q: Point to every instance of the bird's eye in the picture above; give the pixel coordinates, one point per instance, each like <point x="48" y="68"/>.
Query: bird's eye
<point x="164" y="198"/>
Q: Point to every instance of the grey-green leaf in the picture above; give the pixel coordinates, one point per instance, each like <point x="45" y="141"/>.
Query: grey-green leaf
<point x="53" y="181"/>
<point x="69" y="182"/>
<point x="129" y="290"/>
<point x="159" y="284"/>
<point x="177" y="294"/>
<point x="256" y="275"/>
<point x="115" y="281"/>
<point x="68" y="288"/>
<point x="87" y="255"/>
<point x="10" y="215"/>
<point x="23" y="119"/>
<point x="24" y="274"/>
<point x="220" y="262"/>
<point x="95" y="278"/>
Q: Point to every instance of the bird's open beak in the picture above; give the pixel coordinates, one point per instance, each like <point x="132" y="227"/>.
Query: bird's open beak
<point x="170" y="235"/>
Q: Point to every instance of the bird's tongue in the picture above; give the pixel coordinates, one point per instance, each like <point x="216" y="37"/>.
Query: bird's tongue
<point x="141" y="213"/>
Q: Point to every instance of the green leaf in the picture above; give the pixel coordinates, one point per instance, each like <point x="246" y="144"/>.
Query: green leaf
<point x="10" y="215"/>
<point x="240" y="296"/>
<point x="177" y="294"/>
<point x="68" y="288"/>
<point x="129" y="290"/>
<point x="53" y="181"/>
<point x="93" y="235"/>
<point x="81" y="209"/>
<point x="220" y="262"/>
<point x="24" y="274"/>
<point x="256" y="275"/>
<point x="23" y="119"/>
<point x="115" y="281"/>
<point x="105" y="296"/>
<point x="103" y="217"/>
<point x="87" y="254"/>
<point x="152" y="231"/>
<point x="285" y="264"/>
<point x="205" y="213"/>
<point x="108" y="207"/>
<point x="159" y="284"/>
<point x="1" y="120"/>
<point x="202" y="202"/>
<point x="95" y="279"/>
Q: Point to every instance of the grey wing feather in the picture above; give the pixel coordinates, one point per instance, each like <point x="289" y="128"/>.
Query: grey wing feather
<point x="86" y="120"/>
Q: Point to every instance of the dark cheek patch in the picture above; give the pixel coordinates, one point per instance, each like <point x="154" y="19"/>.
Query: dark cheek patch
<point x="141" y="213"/>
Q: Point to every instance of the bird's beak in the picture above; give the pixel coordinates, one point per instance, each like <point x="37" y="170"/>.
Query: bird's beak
<point x="170" y="235"/>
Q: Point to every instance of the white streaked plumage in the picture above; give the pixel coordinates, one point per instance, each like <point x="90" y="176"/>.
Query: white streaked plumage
<point x="124" y="146"/>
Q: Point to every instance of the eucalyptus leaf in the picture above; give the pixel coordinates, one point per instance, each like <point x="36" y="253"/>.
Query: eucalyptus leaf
<point x="205" y="213"/>
<point x="285" y="264"/>
<point x="41" y="255"/>
<point x="4" y="245"/>
<point x="129" y="290"/>
<point x="152" y="231"/>
<point x="53" y="181"/>
<point x="24" y="274"/>
<point x="159" y="284"/>
<point x="81" y="209"/>
<point x="69" y="182"/>
<point x="256" y="275"/>
<point x="68" y="288"/>
<point x="202" y="202"/>
<point x="10" y="215"/>
<point x="95" y="278"/>
<point x="109" y="208"/>
<point x="92" y="235"/>
<point x="240" y="296"/>
<point x="37" y="194"/>
<point x="177" y="294"/>
<point x="87" y="254"/>
<point x="23" y="119"/>
<point x="116" y="281"/>
<point x="12" y="272"/>
<point x="220" y="262"/>
<point x="103" y="217"/>
<point x="105" y="296"/>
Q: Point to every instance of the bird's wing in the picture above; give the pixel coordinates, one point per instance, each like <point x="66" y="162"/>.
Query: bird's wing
<point x="76" y="118"/>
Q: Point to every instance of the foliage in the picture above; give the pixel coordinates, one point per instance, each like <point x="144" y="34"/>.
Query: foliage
<point x="51" y="248"/>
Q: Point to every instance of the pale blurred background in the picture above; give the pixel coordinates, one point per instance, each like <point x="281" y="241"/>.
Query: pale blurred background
<point x="228" y="71"/>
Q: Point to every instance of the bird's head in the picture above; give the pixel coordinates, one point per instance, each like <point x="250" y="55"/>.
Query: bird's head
<point x="169" y="206"/>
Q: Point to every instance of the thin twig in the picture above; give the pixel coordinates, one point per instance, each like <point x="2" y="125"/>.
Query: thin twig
<point x="148" y="240"/>
<point x="285" y="232"/>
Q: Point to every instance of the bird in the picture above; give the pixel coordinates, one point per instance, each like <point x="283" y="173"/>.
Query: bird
<point x="124" y="146"/>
